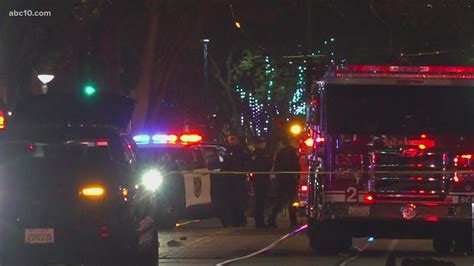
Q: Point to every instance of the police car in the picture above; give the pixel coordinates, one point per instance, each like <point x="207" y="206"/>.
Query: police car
<point x="70" y="189"/>
<point x="188" y="189"/>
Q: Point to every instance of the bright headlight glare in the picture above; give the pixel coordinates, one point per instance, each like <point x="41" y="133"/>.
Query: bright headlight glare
<point x="152" y="179"/>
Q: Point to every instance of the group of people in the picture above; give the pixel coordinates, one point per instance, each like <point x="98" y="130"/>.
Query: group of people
<point x="261" y="162"/>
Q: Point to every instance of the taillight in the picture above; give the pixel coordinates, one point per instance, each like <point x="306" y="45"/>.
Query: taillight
<point x="2" y="121"/>
<point x="349" y="159"/>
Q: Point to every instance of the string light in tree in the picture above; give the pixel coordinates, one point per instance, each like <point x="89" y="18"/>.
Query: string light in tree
<point x="269" y="72"/>
<point x="297" y="104"/>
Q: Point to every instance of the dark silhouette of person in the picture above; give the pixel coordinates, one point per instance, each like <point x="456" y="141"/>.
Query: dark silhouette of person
<point x="235" y="185"/>
<point x="286" y="160"/>
<point x="261" y="161"/>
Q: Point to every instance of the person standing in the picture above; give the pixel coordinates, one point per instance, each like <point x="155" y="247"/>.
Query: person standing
<point x="235" y="185"/>
<point x="261" y="162"/>
<point x="286" y="160"/>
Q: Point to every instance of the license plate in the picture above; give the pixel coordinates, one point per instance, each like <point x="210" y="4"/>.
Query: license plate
<point x="359" y="211"/>
<point x="39" y="235"/>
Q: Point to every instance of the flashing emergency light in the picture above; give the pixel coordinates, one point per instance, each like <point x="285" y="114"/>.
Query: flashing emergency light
<point x="142" y="139"/>
<point x="185" y="139"/>
<point x="456" y="178"/>
<point x="152" y="179"/>
<point x="160" y="139"/>
<point x="368" y="198"/>
<point x="296" y="129"/>
<point x="304" y="188"/>
<point x="191" y="138"/>
<point x="320" y="139"/>
<point x="309" y="142"/>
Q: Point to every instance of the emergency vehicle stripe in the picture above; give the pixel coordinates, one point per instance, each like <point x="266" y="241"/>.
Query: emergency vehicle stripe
<point x="335" y="198"/>
<point x="335" y="192"/>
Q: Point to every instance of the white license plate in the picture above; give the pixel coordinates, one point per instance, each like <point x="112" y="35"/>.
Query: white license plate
<point x="39" y="235"/>
<point x="359" y="211"/>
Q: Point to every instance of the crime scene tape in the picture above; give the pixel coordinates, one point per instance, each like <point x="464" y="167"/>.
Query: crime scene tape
<point x="267" y="248"/>
<point x="213" y="172"/>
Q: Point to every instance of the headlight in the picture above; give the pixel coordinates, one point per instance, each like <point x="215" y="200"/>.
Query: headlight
<point x="152" y="179"/>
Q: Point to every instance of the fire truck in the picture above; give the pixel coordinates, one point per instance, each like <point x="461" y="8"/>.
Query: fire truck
<point x="393" y="156"/>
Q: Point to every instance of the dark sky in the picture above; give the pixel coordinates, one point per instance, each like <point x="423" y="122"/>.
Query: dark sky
<point x="277" y="26"/>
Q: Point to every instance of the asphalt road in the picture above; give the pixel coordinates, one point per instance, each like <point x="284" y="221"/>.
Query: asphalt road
<point x="208" y="243"/>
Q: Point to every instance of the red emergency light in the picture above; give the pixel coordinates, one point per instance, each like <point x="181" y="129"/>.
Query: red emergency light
<point x="369" y="198"/>
<point x="190" y="138"/>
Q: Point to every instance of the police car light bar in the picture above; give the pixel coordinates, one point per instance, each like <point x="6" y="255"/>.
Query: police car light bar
<point x="161" y="139"/>
<point x="450" y="72"/>
<point x="142" y="139"/>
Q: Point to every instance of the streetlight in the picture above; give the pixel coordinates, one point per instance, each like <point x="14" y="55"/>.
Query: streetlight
<point x="45" y="79"/>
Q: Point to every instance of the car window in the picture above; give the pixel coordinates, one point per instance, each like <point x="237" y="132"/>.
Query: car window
<point x="212" y="157"/>
<point x="198" y="157"/>
<point x="168" y="157"/>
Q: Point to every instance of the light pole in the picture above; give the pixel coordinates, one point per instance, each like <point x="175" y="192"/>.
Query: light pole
<point x="45" y="79"/>
<point x="205" y="47"/>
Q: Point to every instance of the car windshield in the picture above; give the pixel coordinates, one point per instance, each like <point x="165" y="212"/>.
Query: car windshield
<point x="72" y="150"/>
<point x="167" y="157"/>
<point x="400" y="109"/>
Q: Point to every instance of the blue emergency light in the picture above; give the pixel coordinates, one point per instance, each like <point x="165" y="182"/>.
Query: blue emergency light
<point x="141" y="139"/>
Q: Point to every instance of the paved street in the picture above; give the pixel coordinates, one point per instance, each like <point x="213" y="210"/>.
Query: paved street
<point x="207" y="243"/>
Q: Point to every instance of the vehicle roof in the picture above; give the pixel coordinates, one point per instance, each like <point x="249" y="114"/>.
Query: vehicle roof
<point x="58" y="132"/>
<point x="107" y="109"/>
<point x="401" y="75"/>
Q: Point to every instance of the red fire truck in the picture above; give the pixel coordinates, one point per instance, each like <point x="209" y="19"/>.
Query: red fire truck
<point x="392" y="157"/>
